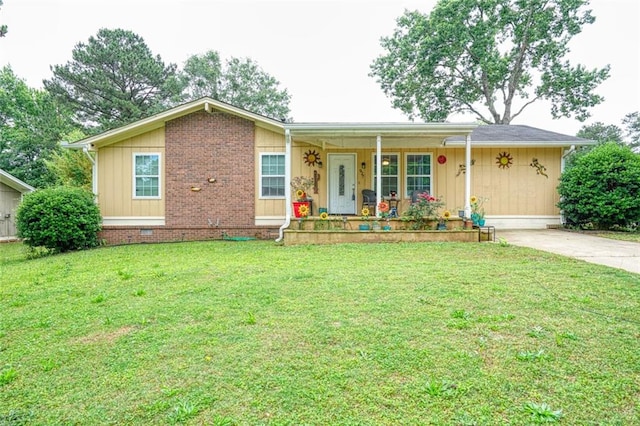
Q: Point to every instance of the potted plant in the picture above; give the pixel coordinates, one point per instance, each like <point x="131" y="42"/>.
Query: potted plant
<point x="365" y="216"/>
<point x="300" y="185"/>
<point x="477" y="210"/>
<point x="442" y="221"/>
<point x="383" y="208"/>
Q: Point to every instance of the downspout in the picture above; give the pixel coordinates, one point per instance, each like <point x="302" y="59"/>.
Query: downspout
<point x="563" y="163"/>
<point x="94" y="170"/>
<point x="287" y="181"/>
<point x="379" y="174"/>
<point x="467" y="179"/>
<point x="94" y="166"/>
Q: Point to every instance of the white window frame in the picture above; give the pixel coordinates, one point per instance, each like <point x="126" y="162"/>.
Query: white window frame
<point x="261" y="176"/>
<point x="406" y="172"/>
<point x="398" y="176"/>
<point x="134" y="176"/>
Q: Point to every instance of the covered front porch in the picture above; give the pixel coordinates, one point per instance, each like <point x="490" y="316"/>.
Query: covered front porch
<point x="391" y="160"/>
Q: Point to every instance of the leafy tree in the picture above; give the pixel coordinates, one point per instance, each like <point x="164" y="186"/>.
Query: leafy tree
<point x="602" y="188"/>
<point x="201" y="75"/>
<point x="31" y="124"/>
<point x="603" y="133"/>
<point x="114" y="79"/>
<point x="60" y="219"/>
<point x="632" y="133"/>
<point x="71" y="167"/>
<point x="241" y="83"/>
<point x="480" y="56"/>
<point x="3" y="28"/>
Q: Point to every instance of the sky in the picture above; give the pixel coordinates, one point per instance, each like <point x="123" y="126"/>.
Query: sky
<point x="319" y="50"/>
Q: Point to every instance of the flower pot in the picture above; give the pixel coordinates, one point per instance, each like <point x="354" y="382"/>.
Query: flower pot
<point x="386" y="228"/>
<point x="442" y="227"/>
<point x="363" y="227"/>
<point x="474" y="218"/>
<point x="481" y="222"/>
<point x="296" y="208"/>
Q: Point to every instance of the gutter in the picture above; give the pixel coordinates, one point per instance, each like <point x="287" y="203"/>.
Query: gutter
<point x="68" y="145"/>
<point x="287" y="180"/>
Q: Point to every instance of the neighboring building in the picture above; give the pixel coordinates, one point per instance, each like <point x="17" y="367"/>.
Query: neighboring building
<point x="205" y="168"/>
<point x="11" y="191"/>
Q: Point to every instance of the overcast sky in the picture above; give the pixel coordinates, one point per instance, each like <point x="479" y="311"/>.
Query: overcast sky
<point x="319" y="50"/>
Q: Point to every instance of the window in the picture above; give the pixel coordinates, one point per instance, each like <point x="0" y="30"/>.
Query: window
<point x="418" y="173"/>
<point x="390" y="174"/>
<point x="272" y="183"/>
<point x="146" y="175"/>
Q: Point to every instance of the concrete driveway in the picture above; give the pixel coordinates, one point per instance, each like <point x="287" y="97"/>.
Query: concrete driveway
<point x="604" y="251"/>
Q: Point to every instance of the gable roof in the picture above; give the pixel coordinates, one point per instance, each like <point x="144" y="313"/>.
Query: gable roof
<point x="15" y="183"/>
<point x="512" y="134"/>
<point x="158" y="120"/>
<point x="353" y="135"/>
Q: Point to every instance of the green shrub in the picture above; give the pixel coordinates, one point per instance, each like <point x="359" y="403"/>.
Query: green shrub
<point x="60" y="219"/>
<point x="602" y="189"/>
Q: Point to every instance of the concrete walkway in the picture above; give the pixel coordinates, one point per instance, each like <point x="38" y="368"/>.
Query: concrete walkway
<point x="604" y="251"/>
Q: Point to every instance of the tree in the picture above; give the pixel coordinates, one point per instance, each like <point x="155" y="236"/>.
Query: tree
<point x="71" y="167"/>
<point x="602" y="189"/>
<point x="113" y="80"/>
<point x="241" y="83"/>
<point x="201" y="75"/>
<point x="31" y="125"/>
<point x="632" y="132"/>
<point x="3" y="28"/>
<point x="601" y="132"/>
<point x="479" y="56"/>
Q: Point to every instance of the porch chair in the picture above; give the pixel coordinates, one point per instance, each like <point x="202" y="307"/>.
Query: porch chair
<point x="369" y="200"/>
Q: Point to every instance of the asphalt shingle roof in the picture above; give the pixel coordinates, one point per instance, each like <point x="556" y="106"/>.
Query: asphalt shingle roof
<point x="516" y="133"/>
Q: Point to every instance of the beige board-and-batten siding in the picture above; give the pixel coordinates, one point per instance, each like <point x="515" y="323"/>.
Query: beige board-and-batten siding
<point x="511" y="192"/>
<point x="115" y="180"/>
<point x="9" y="200"/>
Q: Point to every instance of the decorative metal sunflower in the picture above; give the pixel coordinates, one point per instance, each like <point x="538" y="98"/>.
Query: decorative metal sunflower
<point x="504" y="160"/>
<point x="311" y="157"/>
<point x="303" y="210"/>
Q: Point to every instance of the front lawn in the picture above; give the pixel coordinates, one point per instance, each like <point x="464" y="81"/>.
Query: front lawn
<point x="248" y="333"/>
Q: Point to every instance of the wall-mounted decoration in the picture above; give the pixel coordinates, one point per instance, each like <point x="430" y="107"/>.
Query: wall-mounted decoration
<point x="311" y="158"/>
<point x="504" y="160"/>
<point x="316" y="178"/>
<point x="442" y="159"/>
<point x="540" y="169"/>
<point x="462" y="168"/>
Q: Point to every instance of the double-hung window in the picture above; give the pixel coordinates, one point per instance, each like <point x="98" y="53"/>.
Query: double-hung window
<point x="272" y="184"/>
<point x="418" y="175"/>
<point x="146" y="175"/>
<point x="390" y="174"/>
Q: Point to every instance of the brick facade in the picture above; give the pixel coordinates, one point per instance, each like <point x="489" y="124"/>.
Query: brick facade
<point x="199" y="147"/>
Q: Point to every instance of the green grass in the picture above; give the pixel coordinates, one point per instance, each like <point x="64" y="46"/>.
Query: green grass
<point x="622" y="236"/>
<point x="250" y="333"/>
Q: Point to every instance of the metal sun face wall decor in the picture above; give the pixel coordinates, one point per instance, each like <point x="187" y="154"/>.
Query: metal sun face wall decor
<point x="312" y="158"/>
<point x="504" y="160"/>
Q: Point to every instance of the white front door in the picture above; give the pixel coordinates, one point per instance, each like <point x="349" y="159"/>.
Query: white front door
<point x="342" y="184"/>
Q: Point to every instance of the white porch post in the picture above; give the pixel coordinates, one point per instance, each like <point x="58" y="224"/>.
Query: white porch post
<point x="379" y="173"/>
<point x="287" y="184"/>
<point x="467" y="179"/>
